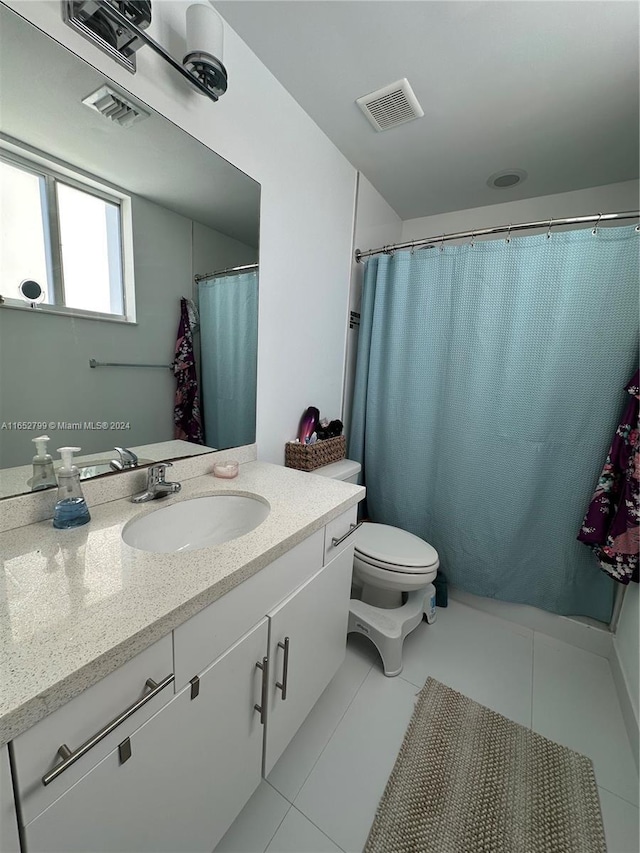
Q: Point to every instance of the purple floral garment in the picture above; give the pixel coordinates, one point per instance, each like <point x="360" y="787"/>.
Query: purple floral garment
<point x="186" y="411"/>
<point x="612" y="523"/>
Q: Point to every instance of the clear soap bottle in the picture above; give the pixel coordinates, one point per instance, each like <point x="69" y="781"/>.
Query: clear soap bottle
<point x="43" y="473"/>
<point x="71" y="509"/>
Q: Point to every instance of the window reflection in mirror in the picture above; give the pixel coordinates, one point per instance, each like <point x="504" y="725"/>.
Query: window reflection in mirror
<point x="67" y="238"/>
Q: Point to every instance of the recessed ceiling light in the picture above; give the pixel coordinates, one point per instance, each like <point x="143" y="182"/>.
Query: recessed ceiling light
<point x="506" y="179"/>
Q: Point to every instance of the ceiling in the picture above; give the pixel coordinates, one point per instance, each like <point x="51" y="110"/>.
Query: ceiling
<point x="549" y="87"/>
<point x="42" y="106"/>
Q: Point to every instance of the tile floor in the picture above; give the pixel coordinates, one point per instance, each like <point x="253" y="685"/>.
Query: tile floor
<point x="323" y="793"/>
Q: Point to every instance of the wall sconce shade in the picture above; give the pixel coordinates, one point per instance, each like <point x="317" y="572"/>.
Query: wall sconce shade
<point x="118" y="28"/>
<point x="205" y="41"/>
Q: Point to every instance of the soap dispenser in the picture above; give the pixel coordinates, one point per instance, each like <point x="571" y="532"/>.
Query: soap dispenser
<point x="43" y="473"/>
<point x="71" y="508"/>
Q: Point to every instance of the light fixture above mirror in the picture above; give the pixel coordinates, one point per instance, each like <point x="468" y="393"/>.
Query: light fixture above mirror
<point x="118" y="28"/>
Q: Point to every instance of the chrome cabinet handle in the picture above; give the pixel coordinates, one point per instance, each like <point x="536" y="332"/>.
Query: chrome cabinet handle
<point x="282" y="685"/>
<point x="262" y="707"/>
<point x="70" y="757"/>
<point x="335" y="541"/>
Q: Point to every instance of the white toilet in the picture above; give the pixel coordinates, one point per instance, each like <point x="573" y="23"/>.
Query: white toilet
<point x="395" y="570"/>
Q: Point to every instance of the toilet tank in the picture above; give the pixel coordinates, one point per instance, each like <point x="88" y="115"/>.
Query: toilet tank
<point x="345" y="469"/>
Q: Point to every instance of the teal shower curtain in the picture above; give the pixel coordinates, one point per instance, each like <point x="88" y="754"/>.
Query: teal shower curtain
<point x="228" y="308"/>
<point x="489" y="382"/>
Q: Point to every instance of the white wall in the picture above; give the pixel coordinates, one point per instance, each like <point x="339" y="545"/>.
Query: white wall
<point x="307" y="204"/>
<point x="627" y="641"/>
<point x="376" y="224"/>
<point x="215" y="251"/>
<point x="605" y="199"/>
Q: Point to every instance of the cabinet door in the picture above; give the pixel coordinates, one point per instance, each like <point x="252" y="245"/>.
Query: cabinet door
<point x="191" y="770"/>
<point x="307" y="641"/>
<point x="8" y="818"/>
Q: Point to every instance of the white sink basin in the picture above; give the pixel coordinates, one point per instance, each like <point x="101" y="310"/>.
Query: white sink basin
<point x="196" y="523"/>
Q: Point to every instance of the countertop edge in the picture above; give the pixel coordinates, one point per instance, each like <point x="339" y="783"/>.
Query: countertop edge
<point x="18" y="720"/>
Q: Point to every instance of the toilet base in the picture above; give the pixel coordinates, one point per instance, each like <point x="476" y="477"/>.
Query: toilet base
<point x="387" y="629"/>
<point x="386" y="599"/>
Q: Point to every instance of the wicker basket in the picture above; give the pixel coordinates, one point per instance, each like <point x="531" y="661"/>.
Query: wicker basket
<point x="307" y="457"/>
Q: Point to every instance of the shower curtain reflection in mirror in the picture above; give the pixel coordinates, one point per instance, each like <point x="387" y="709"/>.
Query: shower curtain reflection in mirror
<point x="228" y="307"/>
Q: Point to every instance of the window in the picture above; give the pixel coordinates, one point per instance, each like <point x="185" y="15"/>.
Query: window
<point x="67" y="233"/>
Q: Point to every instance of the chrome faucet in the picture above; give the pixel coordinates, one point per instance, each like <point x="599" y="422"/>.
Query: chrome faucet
<point x="157" y="486"/>
<point x="128" y="459"/>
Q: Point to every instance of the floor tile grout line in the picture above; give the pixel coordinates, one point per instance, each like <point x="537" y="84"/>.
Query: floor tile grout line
<point x="618" y="796"/>
<point x="279" y="825"/>
<point x="504" y="624"/>
<point x="326" y="835"/>
<point x="297" y="808"/>
<point x="271" y="785"/>
<point x="333" y="731"/>
<point x="412" y="683"/>
<point x="551" y="640"/>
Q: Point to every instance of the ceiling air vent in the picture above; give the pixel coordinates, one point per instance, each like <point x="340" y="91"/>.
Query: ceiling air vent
<point x="390" y="106"/>
<point x="113" y="105"/>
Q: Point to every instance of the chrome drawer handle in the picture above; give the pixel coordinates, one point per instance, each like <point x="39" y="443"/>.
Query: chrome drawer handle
<point x="264" y="690"/>
<point x="335" y="541"/>
<point x="70" y="757"/>
<point x="282" y="685"/>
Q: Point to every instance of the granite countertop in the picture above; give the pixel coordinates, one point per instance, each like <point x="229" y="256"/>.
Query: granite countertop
<point x="76" y="604"/>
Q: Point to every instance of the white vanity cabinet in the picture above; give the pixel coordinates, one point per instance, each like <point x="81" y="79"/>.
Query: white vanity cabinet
<point x="306" y="647"/>
<point x="191" y="769"/>
<point x="247" y="670"/>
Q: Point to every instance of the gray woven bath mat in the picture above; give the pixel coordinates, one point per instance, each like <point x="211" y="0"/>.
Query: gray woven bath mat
<point x="467" y="780"/>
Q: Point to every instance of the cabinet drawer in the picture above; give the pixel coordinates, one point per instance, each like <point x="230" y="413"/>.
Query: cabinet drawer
<point x="190" y="770"/>
<point x="337" y="529"/>
<point x="205" y="636"/>
<point x="36" y="751"/>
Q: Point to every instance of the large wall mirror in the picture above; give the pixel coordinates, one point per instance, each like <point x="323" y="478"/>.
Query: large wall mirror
<point x="122" y="236"/>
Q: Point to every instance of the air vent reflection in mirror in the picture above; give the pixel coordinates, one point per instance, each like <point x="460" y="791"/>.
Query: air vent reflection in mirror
<point x="115" y="106"/>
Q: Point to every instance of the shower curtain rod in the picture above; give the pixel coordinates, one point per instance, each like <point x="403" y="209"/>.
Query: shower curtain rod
<point x="499" y="229"/>
<point x="226" y="271"/>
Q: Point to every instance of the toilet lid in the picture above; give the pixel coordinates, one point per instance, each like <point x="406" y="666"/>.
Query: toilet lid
<point x="381" y="543"/>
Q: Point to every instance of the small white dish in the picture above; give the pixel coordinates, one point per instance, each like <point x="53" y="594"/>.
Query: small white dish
<point x="226" y="470"/>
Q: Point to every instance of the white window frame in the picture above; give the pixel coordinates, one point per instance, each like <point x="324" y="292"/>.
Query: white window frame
<point x="55" y="171"/>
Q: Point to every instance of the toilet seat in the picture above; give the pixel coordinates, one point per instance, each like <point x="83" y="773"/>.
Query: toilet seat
<point x="395" y="567"/>
<point x="393" y="549"/>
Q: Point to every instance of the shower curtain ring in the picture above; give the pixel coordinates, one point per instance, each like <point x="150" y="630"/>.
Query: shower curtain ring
<point x="508" y="240"/>
<point x="595" y="230"/>
<point x="549" y="229"/>
<point x="473" y="235"/>
<point x="442" y="243"/>
<point x="637" y="228"/>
